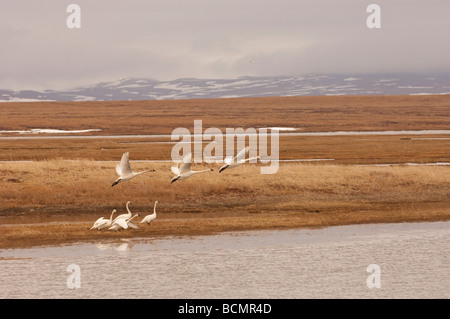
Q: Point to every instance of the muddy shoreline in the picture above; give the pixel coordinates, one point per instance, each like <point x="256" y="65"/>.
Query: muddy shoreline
<point x="15" y="234"/>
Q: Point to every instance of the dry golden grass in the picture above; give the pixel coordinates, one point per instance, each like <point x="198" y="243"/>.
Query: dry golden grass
<point x="85" y="186"/>
<point x="308" y="114"/>
<point x="312" y="113"/>
<point x="342" y="149"/>
<point x="299" y="195"/>
<point x="57" y="197"/>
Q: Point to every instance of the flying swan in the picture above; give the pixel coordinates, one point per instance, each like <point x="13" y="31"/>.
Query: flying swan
<point x="124" y="170"/>
<point x="239" y="159"/>
<point x="184" y="170"/>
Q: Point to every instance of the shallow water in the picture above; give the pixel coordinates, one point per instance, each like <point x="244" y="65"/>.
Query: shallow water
<point x="413" y="260"/>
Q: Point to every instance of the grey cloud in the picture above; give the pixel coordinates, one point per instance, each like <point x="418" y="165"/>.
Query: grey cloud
<point x="221" y="39"/>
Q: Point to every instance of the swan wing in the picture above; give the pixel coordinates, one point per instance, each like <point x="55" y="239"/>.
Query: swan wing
<point x="106" y="223"/>
<point x="240" y="157"/>
<point x="228" y="160"/>
<point x="125" y="168"/>
<point x="122" y="223"/>
<point x="97" y="223"/>
<point x="122" y="216"/>
<point x="185" y="166"/>
<point x="114" y="227"/>
<point x="187" y="158"/>
<point x="175" y="170"/>
<point x="132" y="225"/>
<point x="119" y="170"/>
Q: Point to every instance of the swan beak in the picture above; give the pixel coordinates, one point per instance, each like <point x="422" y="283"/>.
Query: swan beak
<point x="115" y="183"/>
<point x="174" y="180"/>
<point x="222" y="169"/>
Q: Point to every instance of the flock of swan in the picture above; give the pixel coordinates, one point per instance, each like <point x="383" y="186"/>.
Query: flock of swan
<point x="183" y="171"/>
<point x="123" y="221"/>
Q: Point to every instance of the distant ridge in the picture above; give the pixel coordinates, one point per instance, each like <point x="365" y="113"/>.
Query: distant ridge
<point x="190" y="88"/>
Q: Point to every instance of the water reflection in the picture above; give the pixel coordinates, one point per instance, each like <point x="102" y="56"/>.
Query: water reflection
<point x="117" y="246"/>
<point x="303" y="263"/>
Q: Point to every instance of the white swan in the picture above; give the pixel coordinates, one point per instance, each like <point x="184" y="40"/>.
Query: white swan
<point x="184" y="170"/>
<point x="102" y="223"/>
<point x="127" y="215"/>
<point x="123" y="223"/>
<point x="124" y="170"/>
<point x="239" y="159"/>
<point x="151" y="217"/>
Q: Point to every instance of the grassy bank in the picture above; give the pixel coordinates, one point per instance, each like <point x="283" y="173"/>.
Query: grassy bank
<point x="75" y="193"/>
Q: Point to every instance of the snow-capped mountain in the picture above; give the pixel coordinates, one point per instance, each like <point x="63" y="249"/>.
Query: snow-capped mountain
<point x="189" y="88"/>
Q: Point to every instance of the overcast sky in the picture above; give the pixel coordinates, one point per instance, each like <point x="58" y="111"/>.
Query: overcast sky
<point x="170" y="39"/>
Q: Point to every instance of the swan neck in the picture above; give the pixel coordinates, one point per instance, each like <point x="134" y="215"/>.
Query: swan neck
<point x="202" y="171"/>
<point x="139" y="173"/>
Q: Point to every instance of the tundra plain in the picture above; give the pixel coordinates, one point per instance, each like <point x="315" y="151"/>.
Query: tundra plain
<point x="54" y="186"/>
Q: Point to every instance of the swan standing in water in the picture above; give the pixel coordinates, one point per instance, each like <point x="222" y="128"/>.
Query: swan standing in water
<point x="123" y="223"/>
<point x="151" y="217"/>
<point x="124" y="170"/>
<point x="239" y="159"/>
<point x="102" y="223"/>
<point x="184" y="170"/>
<point x="128" y="215"/>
